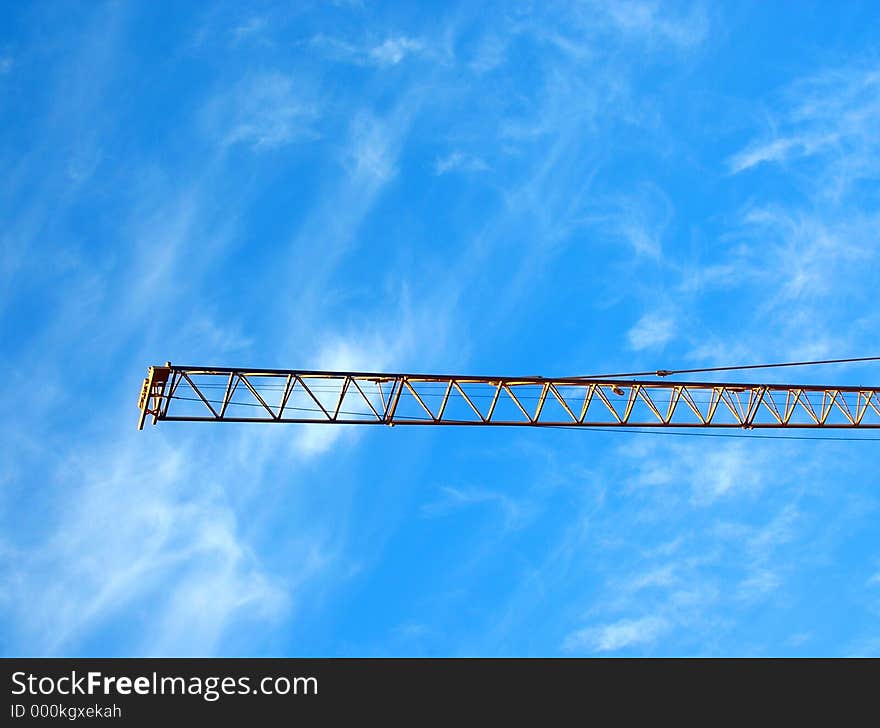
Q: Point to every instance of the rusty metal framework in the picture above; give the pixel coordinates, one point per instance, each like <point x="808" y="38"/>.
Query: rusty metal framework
<point x="216" y="394"/>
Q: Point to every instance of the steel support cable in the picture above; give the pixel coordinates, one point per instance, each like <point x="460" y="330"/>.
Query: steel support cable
<point x="668" y="372"/>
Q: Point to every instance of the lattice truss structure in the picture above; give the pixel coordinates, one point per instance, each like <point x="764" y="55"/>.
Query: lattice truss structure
<point x="179" y="393"/>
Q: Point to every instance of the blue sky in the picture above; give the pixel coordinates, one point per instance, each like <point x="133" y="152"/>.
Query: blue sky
<point x="552" y="189"/>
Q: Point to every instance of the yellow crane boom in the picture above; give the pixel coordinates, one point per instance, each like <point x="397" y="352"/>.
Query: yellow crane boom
<point x="217" y="394"/>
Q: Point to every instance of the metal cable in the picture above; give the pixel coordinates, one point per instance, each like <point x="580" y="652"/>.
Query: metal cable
<point x="667" y="372"/>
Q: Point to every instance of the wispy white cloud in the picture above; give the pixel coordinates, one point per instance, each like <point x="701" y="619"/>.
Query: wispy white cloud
<point x="655" y="22"/>
<point x="226" y="339"/>
<point x="389" y="52"/>
<point x="758" y="586"/>
<point x="780" y="529"/>
<point x="263" y="112"/>
<point x="645" y="24"/>
<point x="368" y="156"/>
<point x="251" y="28"/>
<point x="393" y="50"/>
<point x="615" y="636"/>
<point x="338" y="354"/>
<point x="458" y="161"/>
<point x="514" y="511"/>
<point x="336" y="48"/>
<point x="805" y="254"/>
<point x="641" y="239"/>
<point x="809" y="267"/>
<point x="799" y="638"/>
<point x="490" y="53"/>
<point x="661" y="576"/>
<point x="829" y="117"/>
<point x="698" y="576"/>
<point x="67" y="144"/>
<point x="163" y="228"/>
<point x="778" y="150"/>
<point x="652" y="331"/>
<point x="119" y="531"/>
<point x="727" y="470"/>
<point x="373" y="148"/>
<point x="640" y="220"/>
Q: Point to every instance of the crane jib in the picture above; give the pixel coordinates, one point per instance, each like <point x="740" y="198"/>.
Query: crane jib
<point x="223" y="394"/>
